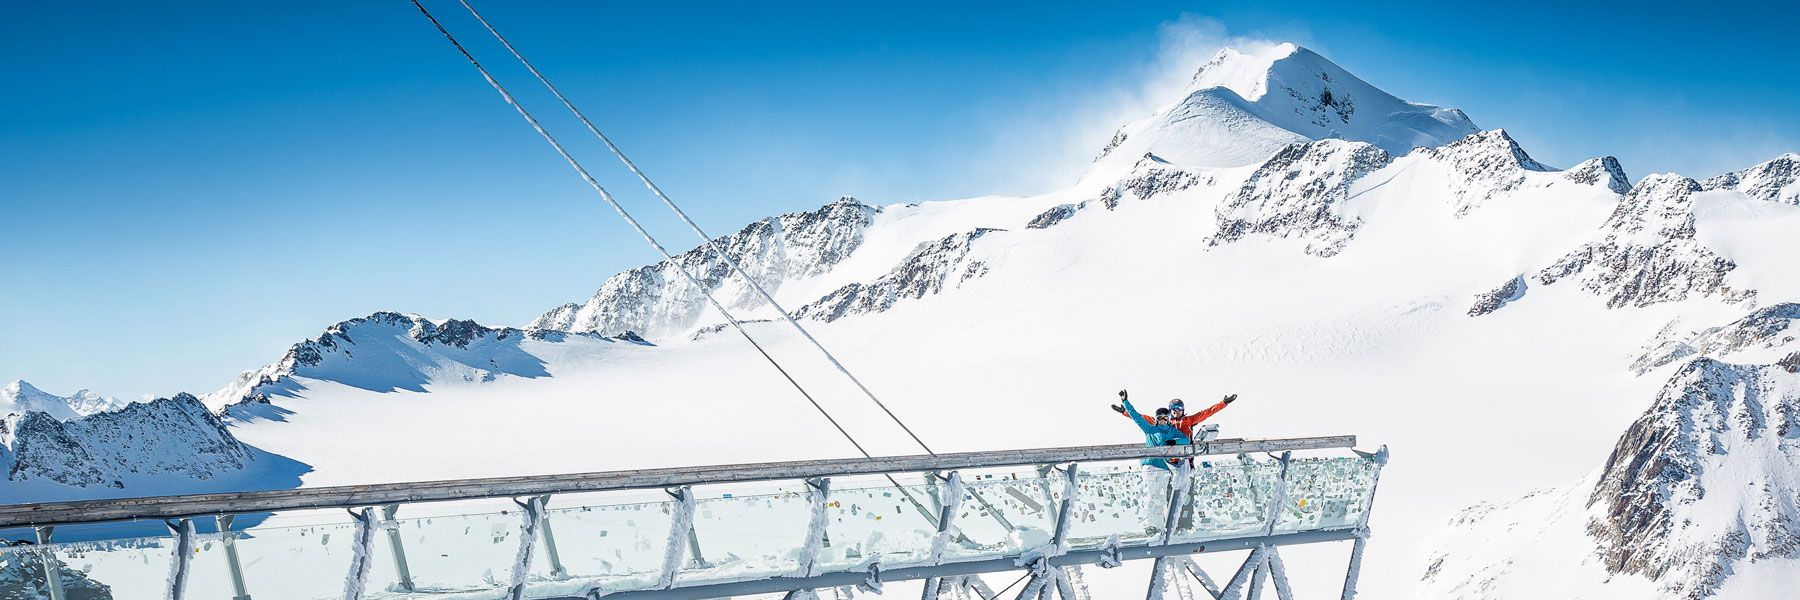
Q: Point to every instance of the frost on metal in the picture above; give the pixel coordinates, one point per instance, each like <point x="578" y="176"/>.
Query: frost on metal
<point x="528" y="534"/>
<point x="818" y="493"/>
<point x="951" y="495"/>
<point x="362" y="555"/>
<point x="680" y="525"/>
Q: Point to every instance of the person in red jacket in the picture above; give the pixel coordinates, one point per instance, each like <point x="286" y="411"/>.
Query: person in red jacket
<point x="1178" y="414"/>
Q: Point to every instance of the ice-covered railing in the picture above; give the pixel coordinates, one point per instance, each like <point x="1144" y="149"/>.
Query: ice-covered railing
<point x="715" y="531"/>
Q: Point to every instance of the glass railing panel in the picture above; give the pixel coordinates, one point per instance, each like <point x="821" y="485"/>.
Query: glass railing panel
<point x="1229" y="497"/>
<point x="1116" y="498"/>
<point x="1325" y="493"/>
<point x="127" y="561"/>
<point x="1005" y="512"/>
<point x="449" y="548"/>
<point x="615" y="541"/>
<point x="300" y="555"/>
<point x="750" y="533"/>
<point x="873" y="520"/>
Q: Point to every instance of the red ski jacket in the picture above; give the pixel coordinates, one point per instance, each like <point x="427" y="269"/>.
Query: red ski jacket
<point x="1185" y="424"/>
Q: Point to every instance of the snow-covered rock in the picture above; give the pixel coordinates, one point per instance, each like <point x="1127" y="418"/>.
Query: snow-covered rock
<point x="389" y="351"/>
<point x="1707" y="478"/>
<point x="1486" y="164"/>
<point x="1243" y="106"/>
<point x="1298" y="193"/>
<point x="1605" y="170"/>
<point x="931" y="268"/>
<point x="1647" y="252"/>
<point x="657" y="300"/>
<point x="1769" y="328"/>
<point x="167" y="437"/>
<point x="19" y="397"/>
<point x="1492" y="300"/>
<point x="1777" y="180"/>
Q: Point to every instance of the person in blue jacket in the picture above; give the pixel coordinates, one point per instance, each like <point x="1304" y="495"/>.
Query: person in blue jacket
<point x="1159" y="431"/>
<point x="1157" y="471"/>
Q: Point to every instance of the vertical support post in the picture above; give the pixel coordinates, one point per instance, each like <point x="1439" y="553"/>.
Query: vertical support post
<point x="1279" y="497"/>
<point x="1362" y="533"/>
<point x="398" y="549"/>
<point x="681" y="528"/>
<point x="1181" y="477"/>
<point x="949" y="501"/>
<point x="818" y="492"/>
<point x="228" y="539"/>
<point x="182" y="560"/>
<point x="361" y="554"/>
<point x="52" y="566"/>
<point x="533" y="509"/>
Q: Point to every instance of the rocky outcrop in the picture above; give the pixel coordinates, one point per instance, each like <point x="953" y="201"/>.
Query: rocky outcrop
<point x="22" y="578"/>
<point x="1769" y="327"/>
<point x="931" y="268"/>
<point x="1648" y="252"/>
<point x="1600" y="171"/>
<point x="1492" y="300"/>
<point x="389" y="351"/>
<point x="1056" y="214"/>
<point x="1775" y="181"/>
<point x="1485" y="165"/>
<point x="658" y="300"/>
<point x="1297" y="193"/>
<point x="168" y="436"/>
<point x="1704" y="479"/>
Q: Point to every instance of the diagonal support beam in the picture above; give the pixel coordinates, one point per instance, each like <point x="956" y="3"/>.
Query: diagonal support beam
<point x="1278" y="575"/>
<point x="1234" y="589"/>
<point x="681" y="529"/>
<point x="362" y="555"/>
<point x="533" y="509"/>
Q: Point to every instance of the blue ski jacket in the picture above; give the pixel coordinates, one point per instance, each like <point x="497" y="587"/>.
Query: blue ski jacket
<point x="1156" y="435"/>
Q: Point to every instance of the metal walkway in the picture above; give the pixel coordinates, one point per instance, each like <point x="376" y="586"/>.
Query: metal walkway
<point x="721" y="531"/>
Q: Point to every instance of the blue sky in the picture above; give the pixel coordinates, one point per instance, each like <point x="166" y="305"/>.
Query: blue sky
<point x="187" y="190"/>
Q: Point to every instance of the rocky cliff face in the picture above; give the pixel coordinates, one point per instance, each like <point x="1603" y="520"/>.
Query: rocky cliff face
<point x="1774" y="181"/>
<point x="1647" y="252"/>
<point x="657" y="300"/>
<point x="1708" y="477"/>
<point x="1298" y="194"/>
<point x="931" y="268"/>
<point x="169" y="436"/>
<point x="1485" y="165"/>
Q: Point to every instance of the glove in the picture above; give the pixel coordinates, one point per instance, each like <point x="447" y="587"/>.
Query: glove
<point x="1230" y="398"/>
<point x="1121" y="394"/>
<point x="1118" y="409"/>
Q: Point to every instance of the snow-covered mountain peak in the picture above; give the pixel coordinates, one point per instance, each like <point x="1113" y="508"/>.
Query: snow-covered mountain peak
<point x="21" y="397"/>
<point x="1244" y="105"/>
<point x="1777" y="180"/>
<point x="1485" y="164"/>
<point x="1605" y="170"/>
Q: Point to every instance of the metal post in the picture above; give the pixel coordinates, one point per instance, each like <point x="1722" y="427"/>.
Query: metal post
<point x="1180" y="478"/>
<point x="228" y="539"/>
<point x="361" y="554"/>
<point x="949" y="501"/>
<point x="819" y="492"/>
<point x="1256" y="577"/>
<point x="533" y="508"/>
<point x="1278" y="576"/>
<point x="399" y="549"/>
<point x="52" y="567"/>
<point x="180" y="562"/>
<point x="1279" y="497"/>
<point x="1234" y="588"/>
<point x="556" y="567"/>
<point x="1362" y="534"/>
<point x="681" y="526"/>
<point x="1200" y="574"/>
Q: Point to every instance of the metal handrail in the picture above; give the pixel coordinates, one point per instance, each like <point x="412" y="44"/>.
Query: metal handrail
<point x="169" y="507"/>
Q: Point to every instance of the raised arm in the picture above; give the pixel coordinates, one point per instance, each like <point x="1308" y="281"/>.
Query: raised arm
<point x="1191" y="420"/>
<point x="1135" y="416"/>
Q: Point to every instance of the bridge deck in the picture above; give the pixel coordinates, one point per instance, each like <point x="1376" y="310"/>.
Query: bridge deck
<point x="722" y="530"/>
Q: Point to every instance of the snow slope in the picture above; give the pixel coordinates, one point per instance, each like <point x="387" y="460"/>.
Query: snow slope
<point x="1485" y="315"/>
